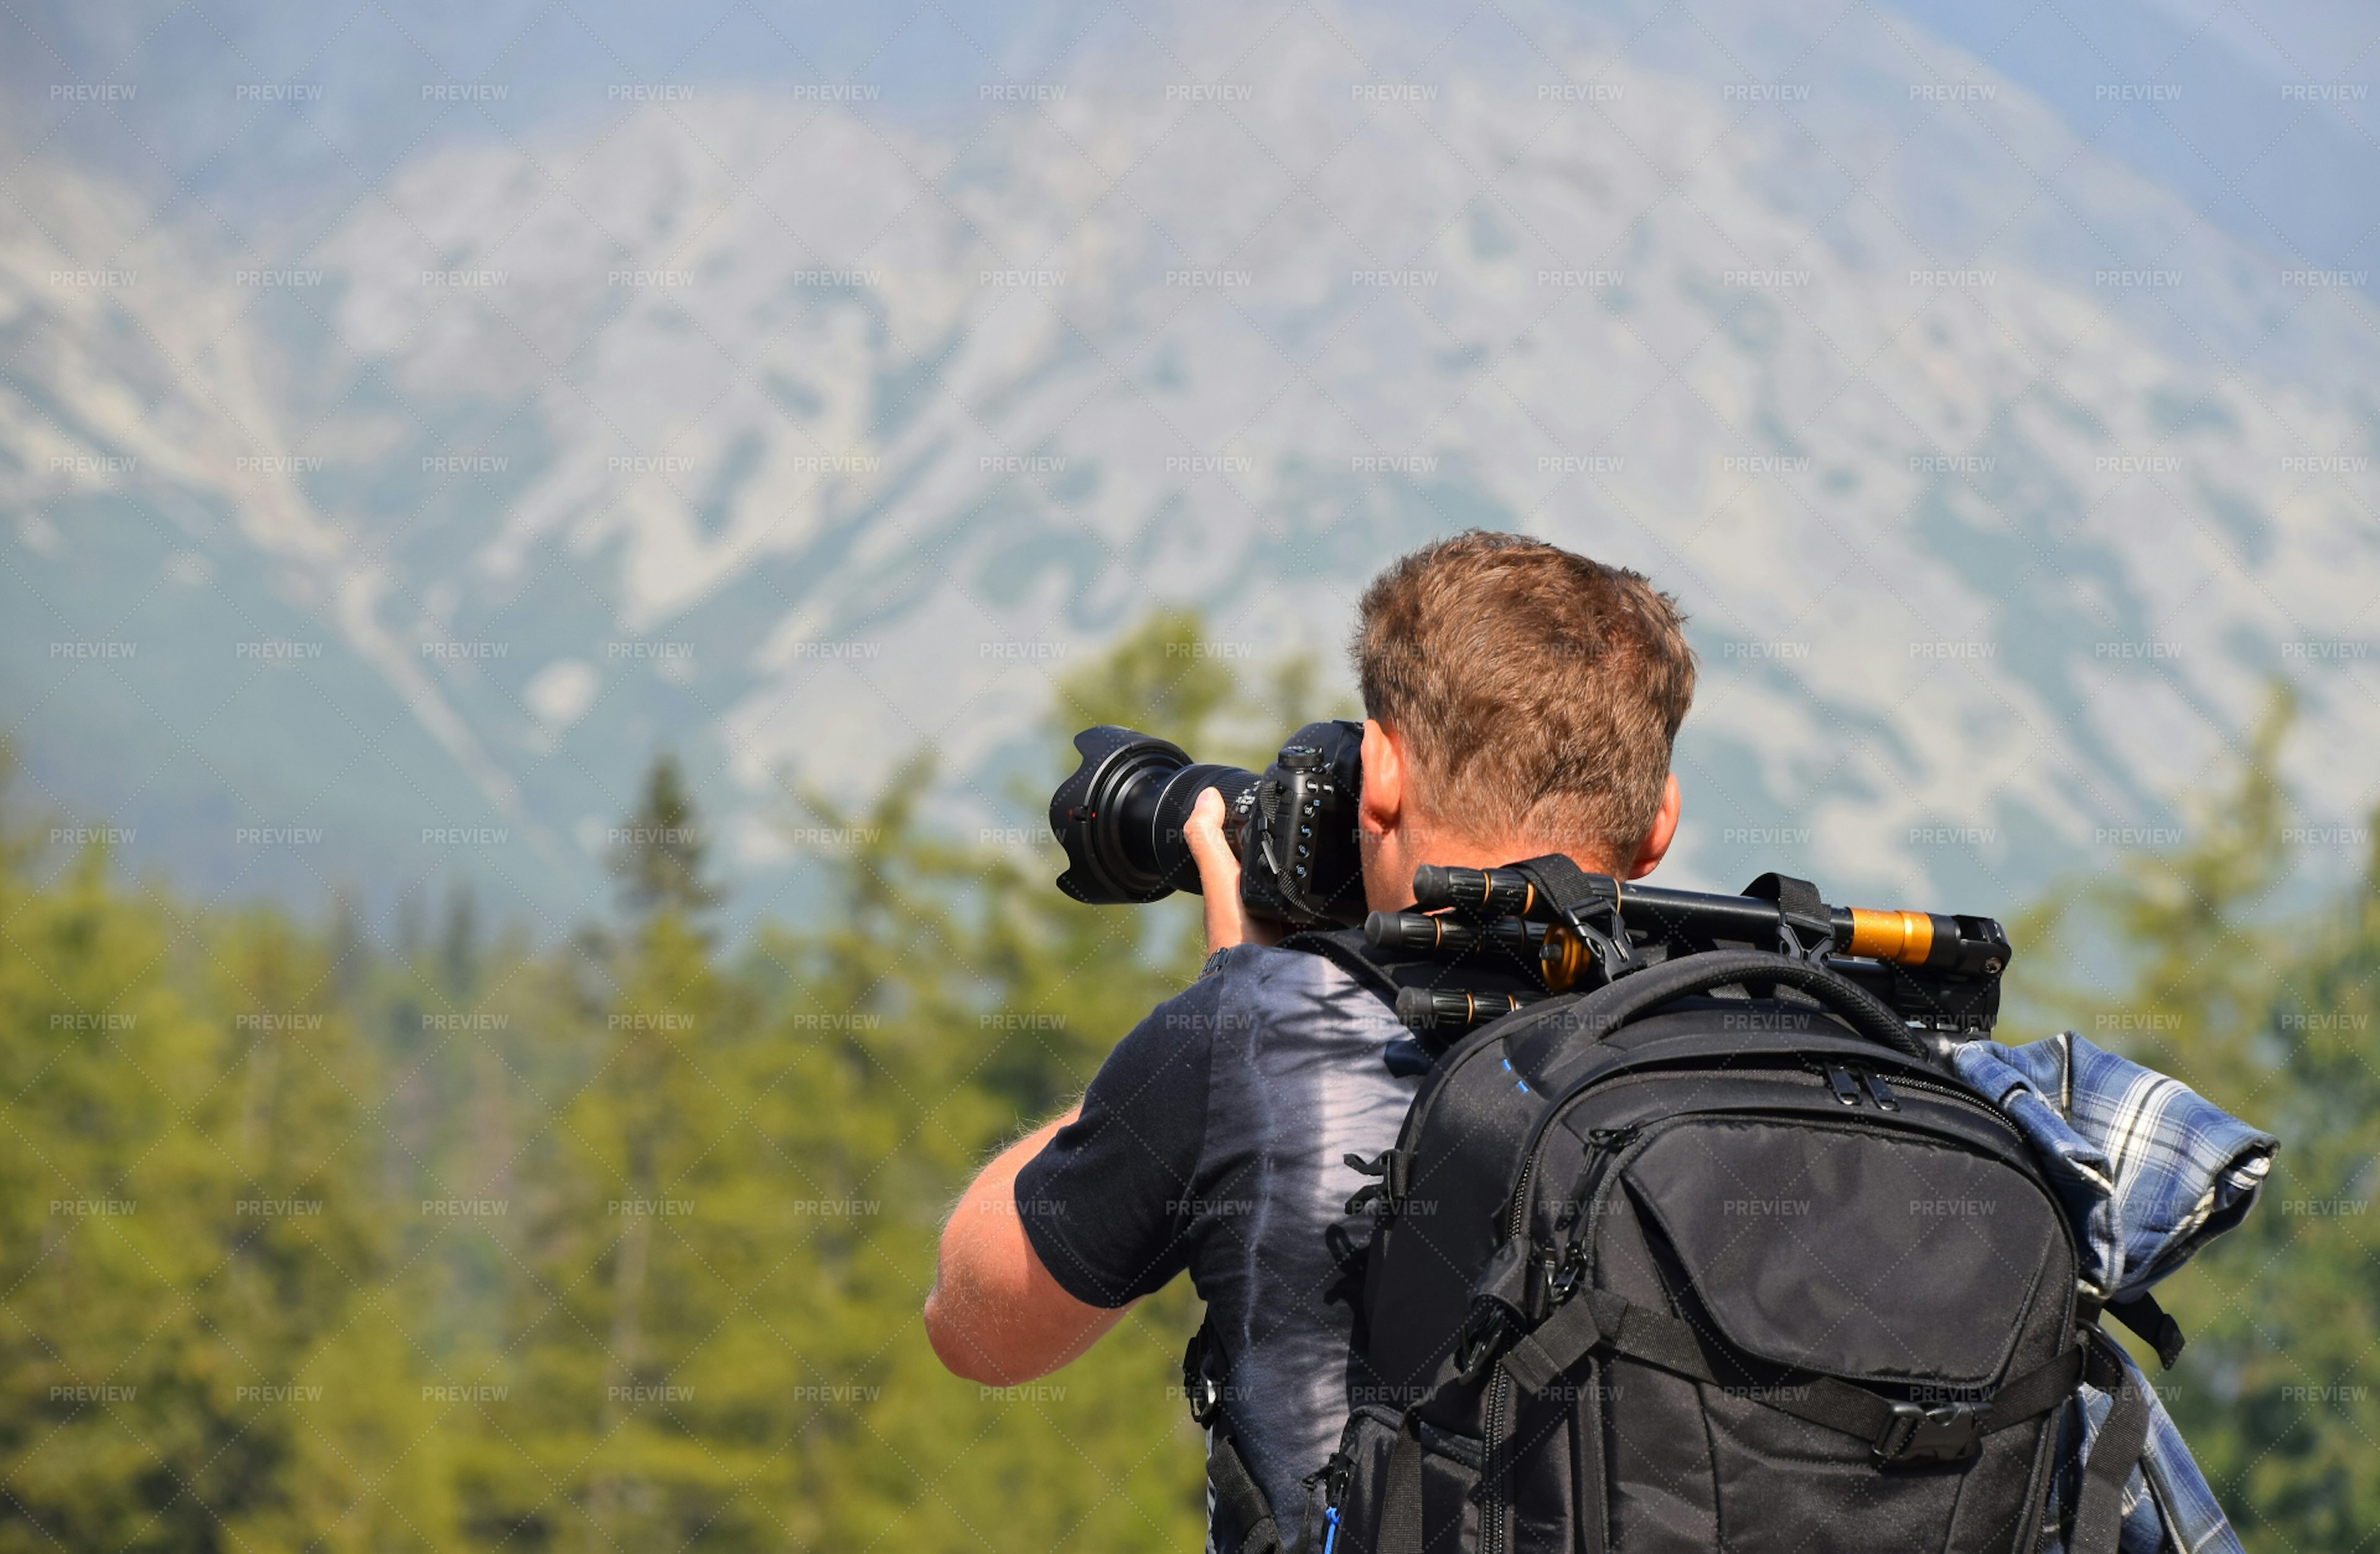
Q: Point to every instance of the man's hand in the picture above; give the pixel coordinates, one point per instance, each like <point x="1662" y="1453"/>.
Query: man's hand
<point x="1228" y="922"/>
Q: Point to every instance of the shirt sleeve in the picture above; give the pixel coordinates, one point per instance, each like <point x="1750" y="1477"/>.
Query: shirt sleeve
<point x="1108" y="1202"/>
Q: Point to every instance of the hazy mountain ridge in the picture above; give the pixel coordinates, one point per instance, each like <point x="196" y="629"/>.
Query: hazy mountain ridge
<point x="750" y="423"/>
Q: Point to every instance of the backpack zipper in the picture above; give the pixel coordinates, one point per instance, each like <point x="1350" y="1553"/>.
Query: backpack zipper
<point x="1337" y="1472"/>
<point x="1610" y="1140"/>
<point x="1880" y="1089"/>
<point x="1332" y="1475"/>
<point x="1606" y="1145"/>
<point x="1965" y="1100"/>
<point x="1567" y="1263"/>
<point x="1491" y="1504"/>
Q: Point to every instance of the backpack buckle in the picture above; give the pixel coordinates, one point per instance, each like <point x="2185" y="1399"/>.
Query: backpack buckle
<point x="1488" y="1331"/>
<point x="1393" y="1167"/>
<point x="1567" y="1273"/>
<point x="1201" y="1388"/>
<point x="1946" y="1432"/>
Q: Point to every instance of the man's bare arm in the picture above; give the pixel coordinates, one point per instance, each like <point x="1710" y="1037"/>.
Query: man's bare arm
<point x="995" y="1315"/>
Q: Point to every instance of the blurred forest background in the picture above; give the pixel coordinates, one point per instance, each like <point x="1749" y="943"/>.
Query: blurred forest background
<point x="311" y="1242"/>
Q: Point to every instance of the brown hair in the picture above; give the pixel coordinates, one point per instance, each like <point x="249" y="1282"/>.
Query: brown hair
<point x="1536" y="693"/>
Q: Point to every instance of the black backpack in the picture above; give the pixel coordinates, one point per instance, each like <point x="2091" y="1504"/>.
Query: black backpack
<point x="1715" y="1256"/>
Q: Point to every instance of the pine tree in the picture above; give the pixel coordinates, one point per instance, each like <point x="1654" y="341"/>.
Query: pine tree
<point x="659" y="857"/>
<point x="641" y="1193"/>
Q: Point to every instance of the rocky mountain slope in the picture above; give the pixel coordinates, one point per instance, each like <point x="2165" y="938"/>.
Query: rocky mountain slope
<point x="801" y="435"/>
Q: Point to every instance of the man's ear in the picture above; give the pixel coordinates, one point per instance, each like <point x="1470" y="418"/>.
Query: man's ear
<point x="1656" y="841"/>
<point x="1383" y="802"/>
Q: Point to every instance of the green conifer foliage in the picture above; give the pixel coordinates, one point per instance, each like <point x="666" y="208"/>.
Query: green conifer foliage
<point x="659" y="857"/>
<point x="2182" y="961"/>
<point x="203" y="1349"/>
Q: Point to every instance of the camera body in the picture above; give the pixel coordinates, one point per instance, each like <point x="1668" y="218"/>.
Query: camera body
<point x="1120" y="819"/>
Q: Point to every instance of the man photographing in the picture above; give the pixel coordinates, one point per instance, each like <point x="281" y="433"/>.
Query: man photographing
<point x="1520" y="700"/>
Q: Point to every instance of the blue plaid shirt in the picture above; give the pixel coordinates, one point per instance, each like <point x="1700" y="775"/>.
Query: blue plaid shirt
<point x="2149" y="1171"/>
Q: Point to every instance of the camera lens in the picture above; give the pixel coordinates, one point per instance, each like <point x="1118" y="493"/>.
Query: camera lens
<point x="1119" y="816"/>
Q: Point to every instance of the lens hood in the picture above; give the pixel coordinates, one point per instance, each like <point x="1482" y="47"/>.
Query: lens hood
<point x="1088" y="814"/>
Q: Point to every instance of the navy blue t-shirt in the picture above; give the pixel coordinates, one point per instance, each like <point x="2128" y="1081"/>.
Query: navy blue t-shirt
<point x="1212" y="1140"/>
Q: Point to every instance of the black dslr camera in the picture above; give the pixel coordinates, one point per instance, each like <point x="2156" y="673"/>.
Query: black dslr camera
<point x="1120" y="819"/>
